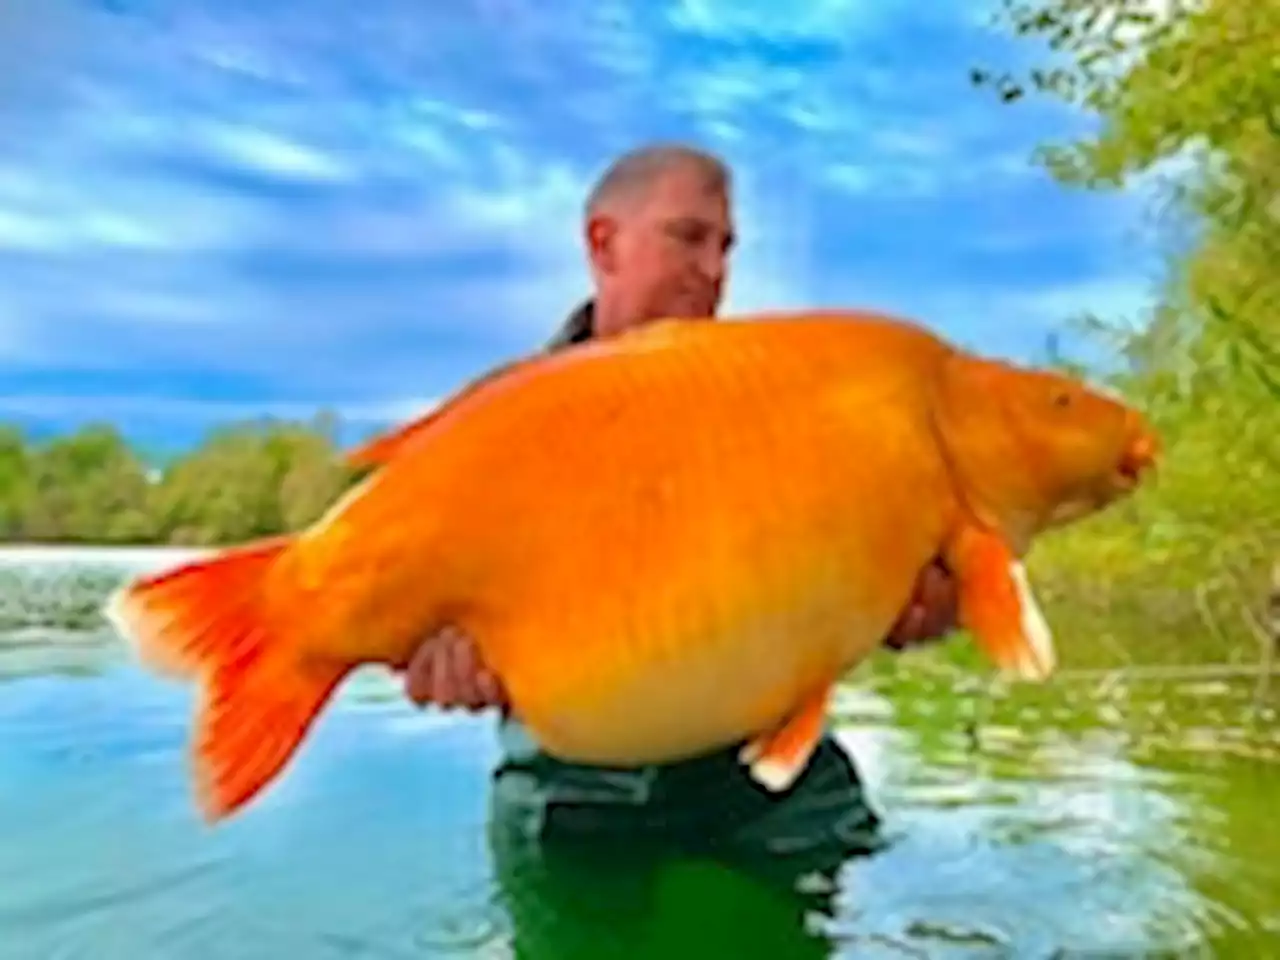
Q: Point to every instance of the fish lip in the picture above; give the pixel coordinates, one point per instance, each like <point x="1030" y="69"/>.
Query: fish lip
<point x="1137" y="461"/>
<point x="1127" y="477"/>
<point x="1124" y="482"/>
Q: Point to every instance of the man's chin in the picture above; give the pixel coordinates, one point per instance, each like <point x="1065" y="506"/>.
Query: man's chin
<point x="694" y="308"/>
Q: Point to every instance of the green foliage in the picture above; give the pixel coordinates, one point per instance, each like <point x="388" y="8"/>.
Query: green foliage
<point x="1196" y="90"/>
<point x="80" y="487"/>
<point x="246" y="480"/>
<point x="15" y="481"/>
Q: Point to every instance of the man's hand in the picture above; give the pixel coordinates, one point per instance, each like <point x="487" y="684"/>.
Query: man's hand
<point x="931" y="612"/>
<point x="446" y="671"/>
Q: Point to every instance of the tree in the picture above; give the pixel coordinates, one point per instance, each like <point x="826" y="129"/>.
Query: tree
<point x="249" y="480"/>
<point x="1191" y="92"/>
<point x="1178" y="85"/>
<point x="15" y="481"/>
<point x="84" y="486"/>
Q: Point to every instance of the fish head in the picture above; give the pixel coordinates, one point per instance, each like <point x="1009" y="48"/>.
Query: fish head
<point x="1040" y="449"/>
<point x="1087" y="445"/>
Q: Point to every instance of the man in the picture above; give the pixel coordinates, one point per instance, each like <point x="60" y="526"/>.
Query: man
<point x="659" y="230"/>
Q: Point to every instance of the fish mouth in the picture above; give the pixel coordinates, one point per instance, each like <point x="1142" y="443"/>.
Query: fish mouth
<point x="1139" y="458"/>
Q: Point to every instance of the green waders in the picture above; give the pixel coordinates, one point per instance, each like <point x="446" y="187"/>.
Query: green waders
<point x="691" y="860"/>
<point x="705" y="805"/>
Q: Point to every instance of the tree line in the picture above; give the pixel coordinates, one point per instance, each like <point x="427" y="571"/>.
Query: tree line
<point x="244" y="480"/>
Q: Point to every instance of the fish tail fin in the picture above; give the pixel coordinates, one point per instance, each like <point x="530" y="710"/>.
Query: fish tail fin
<point x="259" y="691"/>
<point x="176" y="620"/>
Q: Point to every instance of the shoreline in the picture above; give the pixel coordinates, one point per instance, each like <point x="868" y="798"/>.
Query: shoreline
<point x="53" y="554"/>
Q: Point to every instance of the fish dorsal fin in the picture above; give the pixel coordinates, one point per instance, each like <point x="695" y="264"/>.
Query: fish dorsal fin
<point x="386" y="446"/>
<point x="383" y="447"/>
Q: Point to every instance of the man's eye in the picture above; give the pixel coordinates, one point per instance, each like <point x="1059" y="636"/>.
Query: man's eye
<point x="690" y="233"/>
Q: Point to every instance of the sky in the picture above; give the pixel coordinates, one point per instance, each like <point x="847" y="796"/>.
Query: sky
<point x="212" y="211"/>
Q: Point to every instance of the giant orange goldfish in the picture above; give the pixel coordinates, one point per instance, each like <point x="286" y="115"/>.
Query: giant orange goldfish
<point x="663" y="542"/>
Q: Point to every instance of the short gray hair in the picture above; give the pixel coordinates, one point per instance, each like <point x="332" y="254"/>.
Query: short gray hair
<point x="638" y="169"/>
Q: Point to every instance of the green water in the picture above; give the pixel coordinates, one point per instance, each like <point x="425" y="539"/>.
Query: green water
<point x="1081" y="820"/>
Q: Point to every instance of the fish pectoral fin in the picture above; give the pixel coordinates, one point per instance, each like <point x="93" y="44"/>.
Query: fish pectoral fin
<point x="777" y="757"/>
<point x="997" y="606"/>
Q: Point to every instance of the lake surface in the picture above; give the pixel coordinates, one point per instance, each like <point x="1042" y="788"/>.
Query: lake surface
<point x="1082" y="820"/>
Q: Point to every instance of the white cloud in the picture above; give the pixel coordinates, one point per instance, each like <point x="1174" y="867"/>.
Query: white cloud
<point x="44" y="232"/>
<point x="773" y="264"/>
<point x="207" y="269"/>
<point x="1116" y="297"/>
<point x="1016" y="324"/>
<point x="769" y="21"/>
<point x="71" y="208"/>
<point x="266" y="152"/>
<point x="20" y="230"/>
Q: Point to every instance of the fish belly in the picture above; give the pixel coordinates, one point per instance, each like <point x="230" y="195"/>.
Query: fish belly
<point x="657" y="684"/>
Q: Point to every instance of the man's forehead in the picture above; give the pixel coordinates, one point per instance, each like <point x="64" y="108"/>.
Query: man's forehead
<point x="689" y="184"/>
<point x="689" y="195"/>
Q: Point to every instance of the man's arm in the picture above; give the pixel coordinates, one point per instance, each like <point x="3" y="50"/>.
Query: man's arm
<point x="931" y="613"/>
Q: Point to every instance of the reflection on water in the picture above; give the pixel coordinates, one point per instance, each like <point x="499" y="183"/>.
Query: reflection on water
<point x="615" y="902"/>
<point x="1073" y="821"/>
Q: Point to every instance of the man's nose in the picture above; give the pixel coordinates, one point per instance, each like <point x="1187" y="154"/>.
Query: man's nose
<point x="711" y="263"/>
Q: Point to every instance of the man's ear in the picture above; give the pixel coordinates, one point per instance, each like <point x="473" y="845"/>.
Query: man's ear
<point x="601" y="242"/>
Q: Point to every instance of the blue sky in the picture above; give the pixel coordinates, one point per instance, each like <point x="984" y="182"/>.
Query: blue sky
<point x="215" y="210"/>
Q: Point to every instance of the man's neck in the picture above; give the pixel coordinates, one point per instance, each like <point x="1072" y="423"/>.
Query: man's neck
<point x="607" y="318"/>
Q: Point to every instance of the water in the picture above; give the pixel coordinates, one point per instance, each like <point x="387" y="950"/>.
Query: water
<point x="1079" y="821"/>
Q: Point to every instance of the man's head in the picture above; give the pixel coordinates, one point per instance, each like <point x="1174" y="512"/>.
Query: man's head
<point x="659" y="230"/>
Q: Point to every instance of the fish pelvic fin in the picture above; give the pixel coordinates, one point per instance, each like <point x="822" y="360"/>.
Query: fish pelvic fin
<point x="997" y="605"/>
<point x="776" y="758"/>
<point x="258" y="692"/>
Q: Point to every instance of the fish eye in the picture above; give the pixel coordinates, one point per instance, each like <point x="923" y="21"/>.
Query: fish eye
<point x="1062" y="399"/>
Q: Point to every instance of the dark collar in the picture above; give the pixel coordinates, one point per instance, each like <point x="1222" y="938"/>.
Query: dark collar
<point x="577" y="327"/>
